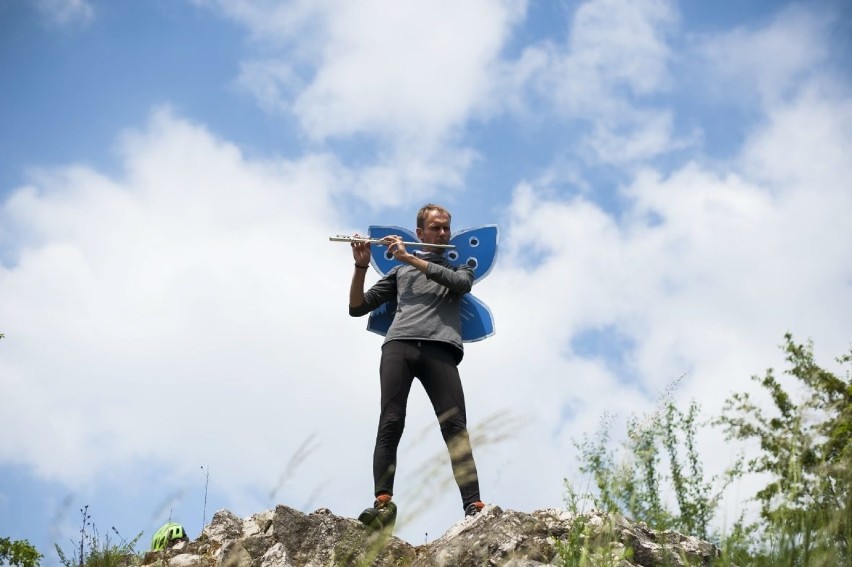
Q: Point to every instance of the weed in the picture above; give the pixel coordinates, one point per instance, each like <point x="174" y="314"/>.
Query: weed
<point x="94" y="551"/>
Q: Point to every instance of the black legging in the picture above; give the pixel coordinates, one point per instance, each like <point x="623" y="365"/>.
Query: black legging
<point x="435" y="365"/>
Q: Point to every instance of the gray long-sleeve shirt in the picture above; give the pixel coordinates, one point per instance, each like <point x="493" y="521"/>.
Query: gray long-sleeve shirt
<point x="428" y="305"/>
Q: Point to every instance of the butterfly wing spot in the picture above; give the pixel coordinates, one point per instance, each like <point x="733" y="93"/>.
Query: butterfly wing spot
<point x="381" y="260"/>
<point x="474" y="241"/>
<point x="472" y="262"/>
<point x="453" y="255"/>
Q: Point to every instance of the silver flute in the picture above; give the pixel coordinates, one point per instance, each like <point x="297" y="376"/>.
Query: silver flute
<point x="381" y="242"/>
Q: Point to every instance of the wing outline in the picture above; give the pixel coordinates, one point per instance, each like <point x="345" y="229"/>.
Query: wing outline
<point x="476" y="247"/>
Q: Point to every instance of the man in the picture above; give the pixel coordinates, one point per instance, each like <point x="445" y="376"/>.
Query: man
<point x="424" y="341"/>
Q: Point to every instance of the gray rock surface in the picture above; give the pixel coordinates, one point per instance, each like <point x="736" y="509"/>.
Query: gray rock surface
<point x="285" y="537"/>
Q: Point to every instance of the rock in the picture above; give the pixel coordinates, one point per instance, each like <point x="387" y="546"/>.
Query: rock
<point x="186" y="560"/>
<point x="285" y="537"/>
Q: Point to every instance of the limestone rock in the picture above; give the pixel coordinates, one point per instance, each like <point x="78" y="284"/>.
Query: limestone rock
<point x="285" y="537"/>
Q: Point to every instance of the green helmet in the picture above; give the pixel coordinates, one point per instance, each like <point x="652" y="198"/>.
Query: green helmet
<point x="167" y="535"/>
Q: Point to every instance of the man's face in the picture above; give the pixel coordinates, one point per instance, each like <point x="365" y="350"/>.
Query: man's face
<point x="436" y="229"/>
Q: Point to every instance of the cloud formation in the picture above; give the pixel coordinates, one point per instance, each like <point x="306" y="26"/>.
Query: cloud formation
<point x="404" y="73"/>
<point x="187" y="310"/>
<point x="405" y="79"/>
<point x="162" y="286"/>
<point x="62" y="13"/>
<point x="602" y="73"/>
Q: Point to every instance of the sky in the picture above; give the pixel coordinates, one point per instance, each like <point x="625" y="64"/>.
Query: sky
<point x="671" y="181"/>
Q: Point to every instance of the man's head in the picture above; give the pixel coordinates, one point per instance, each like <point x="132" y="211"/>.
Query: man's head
<point x="426" y="210"/>
<point x="433" y="225"/>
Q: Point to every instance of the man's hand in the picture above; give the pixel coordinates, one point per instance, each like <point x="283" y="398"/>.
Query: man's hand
<point x="361" y="252"/>
<point x="397" y="248"/>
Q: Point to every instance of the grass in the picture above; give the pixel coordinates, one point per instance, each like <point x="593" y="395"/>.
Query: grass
<point x="92" y="550"/>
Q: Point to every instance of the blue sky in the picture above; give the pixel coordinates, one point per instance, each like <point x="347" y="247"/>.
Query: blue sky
<point x="671" y="181"/>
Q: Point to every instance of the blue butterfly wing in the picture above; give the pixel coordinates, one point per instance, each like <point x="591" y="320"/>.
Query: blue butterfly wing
<point x="476" y="320"/>
<point x="379" y="257"/>
<point x="476" y="247"/>
<point x="381" y="318"/>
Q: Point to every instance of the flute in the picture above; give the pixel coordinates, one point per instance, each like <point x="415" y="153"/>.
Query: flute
<point x="380" y="242"/>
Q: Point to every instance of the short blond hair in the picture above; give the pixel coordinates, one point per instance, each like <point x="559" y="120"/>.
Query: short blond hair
<point x="424" y="211"/>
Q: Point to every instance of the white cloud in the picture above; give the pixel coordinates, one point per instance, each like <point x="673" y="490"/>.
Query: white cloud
<point x="409" y="176"/>
<point x="618" y="45"/>
<point x="703" y="271"/>
<point x="270" y="82"/>
<point x="614" y="56"/>
<point x="276" y="22"/>
<point x="637" y="136"/>
<point x="404" y="75"/>
<point x="767" y="62"/>
<point x="782" y="150"/>
<point x="405" y="72"/>
<point x="65" y="12"/>
<point x="159" y="296"/>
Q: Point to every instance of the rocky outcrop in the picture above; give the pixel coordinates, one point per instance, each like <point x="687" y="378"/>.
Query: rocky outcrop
<point x="285" y="537"/>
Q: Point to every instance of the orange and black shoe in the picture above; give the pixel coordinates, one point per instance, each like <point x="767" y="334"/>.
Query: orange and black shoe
<point x="473" y="508"/>
<point x="382" y="515"/>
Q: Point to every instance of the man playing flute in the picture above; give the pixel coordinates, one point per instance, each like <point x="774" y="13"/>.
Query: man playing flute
<point x="424" y="341"/>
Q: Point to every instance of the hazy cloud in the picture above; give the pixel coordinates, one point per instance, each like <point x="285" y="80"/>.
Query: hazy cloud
<point x="768" y="62"/>
<point x="406" y="76"/>
<point x="65" y="12"/>
<point x="612" y="59"/>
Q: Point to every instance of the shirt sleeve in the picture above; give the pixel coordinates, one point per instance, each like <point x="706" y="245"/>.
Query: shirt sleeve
<point x="458" y="280"/>
<point x="382" y="291"/>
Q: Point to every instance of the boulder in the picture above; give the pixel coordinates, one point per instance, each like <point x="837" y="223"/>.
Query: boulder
<point x="285" y="537"/>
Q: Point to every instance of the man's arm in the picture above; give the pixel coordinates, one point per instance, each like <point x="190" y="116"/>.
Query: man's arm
<point x="356" y="288"/>
<point x="458" y="281"/>
<point x="361" y="255"/>
<point x="382" y="291"/>
<point x="361" y="303"/>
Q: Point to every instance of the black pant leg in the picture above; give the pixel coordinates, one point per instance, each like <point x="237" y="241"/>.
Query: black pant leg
<point x="396" y="375"/>
<point x="438" y="371"/>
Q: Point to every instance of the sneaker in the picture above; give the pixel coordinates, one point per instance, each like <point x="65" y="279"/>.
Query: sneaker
<point x="381" y="516"/>
<point x="473" y="509"/>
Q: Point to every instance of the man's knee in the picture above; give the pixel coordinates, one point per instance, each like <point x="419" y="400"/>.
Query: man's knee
<point x="390" y="429"/>
<point x="452" y="420"/>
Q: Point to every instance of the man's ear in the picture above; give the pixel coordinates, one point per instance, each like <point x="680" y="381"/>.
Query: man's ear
<point x="419" y="232"/>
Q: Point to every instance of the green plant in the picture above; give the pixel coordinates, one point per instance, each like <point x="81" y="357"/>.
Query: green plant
<point x="806" y="451"/>
<point x="18" y="553"/>
<point x="96" y="552"/>
<point x="589" y="543"/>
<point x="659" y="456"/>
